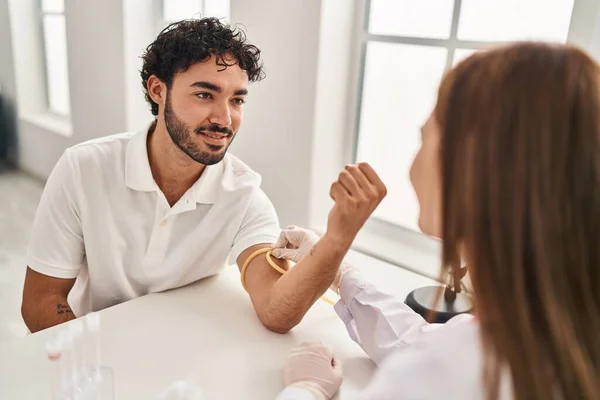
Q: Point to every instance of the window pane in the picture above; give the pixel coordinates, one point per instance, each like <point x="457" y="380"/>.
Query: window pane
<point x="176" y="10"/>
<point x="55" y="42"/>
<point x="421" y="18"/>
<point x="507" y="20"/>
<point x="217" y="8"/>
<point x="399" y="92"/>
<point x="461" y="54"/>
<point x="55" y="6"/>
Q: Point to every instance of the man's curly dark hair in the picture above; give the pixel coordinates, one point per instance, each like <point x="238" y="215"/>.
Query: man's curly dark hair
<point x="187" y="42"/>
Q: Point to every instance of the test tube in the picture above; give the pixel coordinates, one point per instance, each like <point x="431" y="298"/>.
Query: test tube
<point x="66" y="364"/>
<point x="77" y="357"/>
<point x="181" y="390"/>
<point x="92" y="321"/>
<point x="53" y="351"/>
<point x="102" y="376"/>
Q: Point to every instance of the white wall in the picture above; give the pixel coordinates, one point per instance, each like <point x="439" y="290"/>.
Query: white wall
<point x="103" y="79"/>
<point x="109" y="36"/>
<point x="140" y="29"/>
<point x="38" y="146"/>
<point x="7" y="73"/>
<point x="8" y="89"/>
<point x="292" y="131"/>
<point x="585" y="33"/>
<point x="95" y="31"/>
<point x="276" y="138"/>
<point x="331" y="124"/>
<point x="27" y="55"/>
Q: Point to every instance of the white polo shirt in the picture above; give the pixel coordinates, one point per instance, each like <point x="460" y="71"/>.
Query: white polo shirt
<point x="103" y="220"/>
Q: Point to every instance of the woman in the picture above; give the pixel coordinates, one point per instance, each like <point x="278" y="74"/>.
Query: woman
<point x="508" y="175"/>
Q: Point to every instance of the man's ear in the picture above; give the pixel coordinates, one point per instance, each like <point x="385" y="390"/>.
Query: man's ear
<point x="157" y="90"/>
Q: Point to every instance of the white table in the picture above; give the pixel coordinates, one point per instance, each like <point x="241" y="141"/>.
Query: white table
<point x="206" y="333"/>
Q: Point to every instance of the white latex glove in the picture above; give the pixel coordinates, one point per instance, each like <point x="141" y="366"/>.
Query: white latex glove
<point x="294" y="243"/>
<point x="312" y="366"/>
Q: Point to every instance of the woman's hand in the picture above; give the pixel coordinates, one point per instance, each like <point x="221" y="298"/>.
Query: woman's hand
<point x="312" y="366"/>
<point x="294" y="243"/>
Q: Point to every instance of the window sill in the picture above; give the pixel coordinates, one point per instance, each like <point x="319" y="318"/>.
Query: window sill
<point x="55" y="123"/>
<point x="387" y="277"/>
<point x="413" y="257"/>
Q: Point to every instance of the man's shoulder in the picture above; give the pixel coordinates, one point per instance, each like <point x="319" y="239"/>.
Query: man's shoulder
<point x="236" y="173"/>
<point x="105" y="143"/>
<point x="236" y="165"/>
<point x="100" y="150"/>
<point x="448" y="356"/>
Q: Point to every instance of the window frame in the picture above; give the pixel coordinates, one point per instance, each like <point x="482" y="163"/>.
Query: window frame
<point x="161" y="12"/>
<point x="163" y="23"/>
<point x="384" y="240"/>
<point x="60" y="117"/>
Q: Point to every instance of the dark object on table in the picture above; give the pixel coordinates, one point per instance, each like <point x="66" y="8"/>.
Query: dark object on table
<point x="450" y="303"/>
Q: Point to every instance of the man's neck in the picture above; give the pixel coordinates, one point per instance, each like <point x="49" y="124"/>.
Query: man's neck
<point x="173" y="171"/>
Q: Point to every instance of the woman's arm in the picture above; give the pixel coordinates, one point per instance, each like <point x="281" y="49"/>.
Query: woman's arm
<point x="379" y="322"/>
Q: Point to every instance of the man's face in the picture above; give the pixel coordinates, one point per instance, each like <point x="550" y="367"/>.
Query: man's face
<point x="204" y="107"/>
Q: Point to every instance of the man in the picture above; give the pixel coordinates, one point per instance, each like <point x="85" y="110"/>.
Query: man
<point x="135" y="213"/>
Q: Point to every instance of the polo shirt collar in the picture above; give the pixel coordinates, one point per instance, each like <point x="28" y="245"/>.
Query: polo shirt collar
<point x="207" y="187"/>
<point x="138" y="175"/>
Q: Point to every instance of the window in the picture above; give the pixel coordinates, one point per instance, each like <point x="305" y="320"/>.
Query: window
<point x="176" y="10"/>
<point x="404" y="48"/>
<point x="55" y="56"/>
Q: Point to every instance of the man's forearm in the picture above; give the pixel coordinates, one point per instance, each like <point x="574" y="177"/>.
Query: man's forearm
<point x="49" y="311"/>
<point x="297" y="290"/>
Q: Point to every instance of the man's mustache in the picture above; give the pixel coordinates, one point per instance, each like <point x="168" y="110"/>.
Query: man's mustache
<point x="214" y="128"/>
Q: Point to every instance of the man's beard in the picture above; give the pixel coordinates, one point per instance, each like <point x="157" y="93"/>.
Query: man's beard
<point x="183" y="137"/>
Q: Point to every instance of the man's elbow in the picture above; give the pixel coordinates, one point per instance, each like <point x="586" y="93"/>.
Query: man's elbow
<point x="277" y="327"/>
<point x="279" y="324"/>
<point x="27" y="311"/>
<point x="24" y="311"/>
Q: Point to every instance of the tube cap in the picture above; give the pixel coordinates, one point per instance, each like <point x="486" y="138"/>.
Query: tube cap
<point x="76" y="328"/>
<point x="92" y="321"/>
<point x="53" y="349"/>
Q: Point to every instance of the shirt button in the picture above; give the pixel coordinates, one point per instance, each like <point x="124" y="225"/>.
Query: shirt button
<point x="163" y="223"/>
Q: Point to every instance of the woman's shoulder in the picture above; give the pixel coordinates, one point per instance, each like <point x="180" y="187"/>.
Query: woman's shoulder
<point x="446" y="360"/>
<point x="454" y="348"/>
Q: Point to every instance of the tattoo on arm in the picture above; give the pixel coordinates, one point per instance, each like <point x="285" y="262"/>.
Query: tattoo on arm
<point x="63" y="309"/>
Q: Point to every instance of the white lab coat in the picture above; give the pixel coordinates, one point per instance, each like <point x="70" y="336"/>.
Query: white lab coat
<point x="415" y="360"/>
